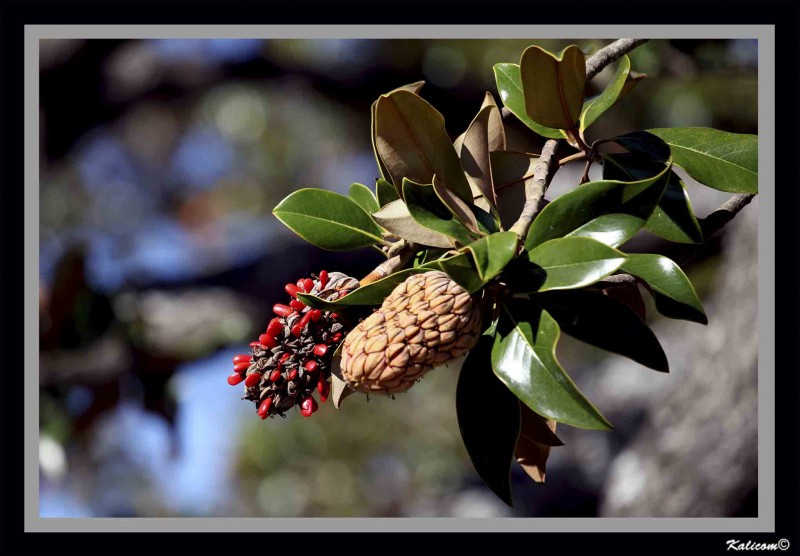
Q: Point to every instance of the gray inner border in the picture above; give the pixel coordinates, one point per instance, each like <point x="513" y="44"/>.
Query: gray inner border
<point x="766" y="299"/>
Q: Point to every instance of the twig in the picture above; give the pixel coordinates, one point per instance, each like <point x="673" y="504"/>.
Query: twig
<point x="608" y="54"/>
<point x="404" y="251"/>
<point x="724" y="214"/>
<point x="535" y="189"/>
<point x="710" y="225"/>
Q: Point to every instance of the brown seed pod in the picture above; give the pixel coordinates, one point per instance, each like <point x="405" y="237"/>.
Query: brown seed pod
<point x="426" y="321"/>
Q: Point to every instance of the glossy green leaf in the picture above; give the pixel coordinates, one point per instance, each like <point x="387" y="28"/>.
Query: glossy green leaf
<point x="363" y="196"/>
<point x="672" y="291"/>
<point x="609" y="211"/>
<point x="489" y="436"/>
<point x="328" y="220"/>
<point x="428" y="210"/>
<point x="492" y="253"/>
<point x="395" y="218"/>
<point x="524" y="358"/>
<point x="595" y="107"/>
<point x="509" y="86"/>
<point x="553" y="85"/>
<point x="606" y="323"/>
<point x="673" y="218"/>
<point x="458" y="208"/>
<point x="411" y="87"/>
<point x="718" y="159"/>
<point x="413" y="143"/>
<point x="570" y="262"/>
<point x="461" y="268"/>
<point x="487" y="222"/>
<point x="484" y="135"/>
<point x="385" y="192"/>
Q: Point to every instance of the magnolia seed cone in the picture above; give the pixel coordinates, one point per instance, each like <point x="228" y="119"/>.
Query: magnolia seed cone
<point x="426" y="321"/>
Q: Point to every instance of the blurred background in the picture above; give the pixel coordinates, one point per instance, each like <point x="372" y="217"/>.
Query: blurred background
<point x="161" y="161"/>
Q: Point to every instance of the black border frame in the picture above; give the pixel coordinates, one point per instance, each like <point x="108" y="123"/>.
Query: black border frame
<point x="784" y="15"/>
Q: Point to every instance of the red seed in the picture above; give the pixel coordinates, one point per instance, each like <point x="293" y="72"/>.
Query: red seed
<point x="308" y="406"/>
<point x="304" y="319"/>
<point x="241" y="358"/>
<point x="337" y="336"/>
<point x="263" y="409"/>
<point x="311" y="366"/>
<point x="235" y="379"/>
<point x="297" y="329"/>
<point x="254" y="345"/>
<point x="241" y="367"/>
<point x="252" y="379"/>
<point x="308" y="284"/>
<point x="316" y="314"/>
<point x="275" y="327"/>
<point x="292" y="374"/>
<point x="281" y="310"/>
<point x="291" y="289"/>
<point x="325" y="392"/>
<point x="297" y="305"/>
<point x="320" y="350"/>
<point x="267" y="341"/>
<point x="275" y="375"/>
<point x="323" y="279"/>
<point x="334" y="316"/>
<point x="284" y="357"/>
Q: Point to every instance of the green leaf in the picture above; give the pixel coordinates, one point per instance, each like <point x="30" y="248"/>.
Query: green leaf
<point x="413" y="143"/>
<point x="672" y="291"/>
<point x="524" y="358"/>
<point x="489" y="436"/>
<point x="461" y="268"/>
<point x="673" y="218"/>
<point x="458" y="208"/>
<point x="570" y="262"/>
<point x="363" y="196"/>
<point x="429" y="211"/>
<point x="395" y="218"/>
<point x="609" y="211"/>
<point x="492" y="253"/>
<point x="606" y="323"/>
<point x="385" y="192"/>
<point x="553" y="85"/>
<point x="509" y="86"/>
<point x="328" y="220"/>
<point x="718" y="159"/>
<point x="484" y="135"/>
<point x="487" y="223"/>
<point x="613" y="93"/>
<point x="411" y="87"/>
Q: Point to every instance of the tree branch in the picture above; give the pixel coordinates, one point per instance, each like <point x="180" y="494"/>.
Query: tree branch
<point x="710" y="225"/>
<point x="535" y="189"/>
<point x="608" y="54"/>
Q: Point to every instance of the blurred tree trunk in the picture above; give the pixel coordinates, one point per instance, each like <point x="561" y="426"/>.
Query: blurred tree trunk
<point x="696" y="453"/>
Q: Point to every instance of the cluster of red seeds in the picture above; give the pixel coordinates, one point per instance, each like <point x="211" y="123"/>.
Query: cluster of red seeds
<point x="292" y="358"/>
